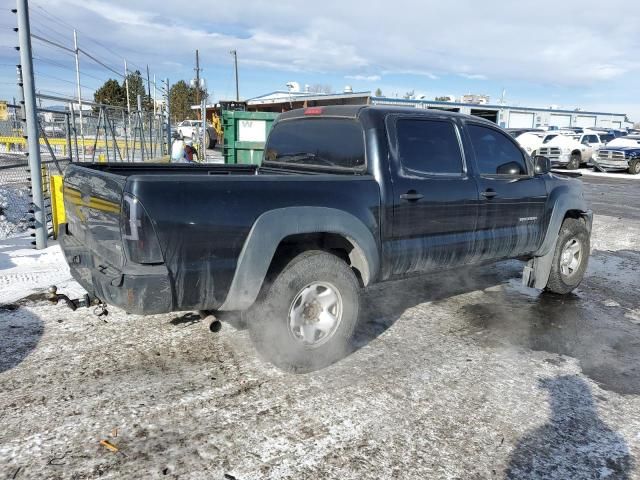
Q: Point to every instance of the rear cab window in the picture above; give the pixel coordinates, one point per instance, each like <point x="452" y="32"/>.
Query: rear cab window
<point x="430" y="147"/>
<point x="325" y="143"/>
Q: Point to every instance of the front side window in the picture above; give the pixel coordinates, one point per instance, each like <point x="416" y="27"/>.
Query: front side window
<point x="495" y="153"/>
<point x="317" y="142"/>
<point x="429" y="146"/>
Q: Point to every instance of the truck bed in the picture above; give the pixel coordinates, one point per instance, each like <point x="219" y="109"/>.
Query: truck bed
<point x="129" y="169"/>
<point x="201" y="216"/>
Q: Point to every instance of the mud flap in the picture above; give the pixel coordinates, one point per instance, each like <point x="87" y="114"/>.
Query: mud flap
<point x="537" y="270"/>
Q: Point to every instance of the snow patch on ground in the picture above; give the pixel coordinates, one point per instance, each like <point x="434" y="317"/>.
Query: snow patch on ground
<point x="613" y="174"/>
<point x="25" y="270"/>
<point x="14" y="205"/>
<point x="612" y="233"/>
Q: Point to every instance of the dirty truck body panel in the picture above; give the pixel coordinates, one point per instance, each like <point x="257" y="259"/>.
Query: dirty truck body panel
<point x="410" y="192"/>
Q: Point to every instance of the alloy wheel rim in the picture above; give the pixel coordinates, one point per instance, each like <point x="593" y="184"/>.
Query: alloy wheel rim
<point x="315" y="313"/>
<point x="571" y="257"/>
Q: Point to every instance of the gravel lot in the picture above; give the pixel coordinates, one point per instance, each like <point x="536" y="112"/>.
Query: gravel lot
<point x="459" y="375"/>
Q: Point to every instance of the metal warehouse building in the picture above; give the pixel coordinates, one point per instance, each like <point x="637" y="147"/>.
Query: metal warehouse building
<point x="504" y="115"/>
<point x="519" y="117"/>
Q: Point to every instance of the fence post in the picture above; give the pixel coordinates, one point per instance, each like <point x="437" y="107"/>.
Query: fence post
<point x="68" y="148"/>
<point x="168" y="120"/>
<point x="35" y="164"/>
<point x="79" y="90"/>
<point x="21" y="98"/>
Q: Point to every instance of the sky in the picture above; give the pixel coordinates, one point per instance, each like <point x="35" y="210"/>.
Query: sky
<point x="573" y="54"/>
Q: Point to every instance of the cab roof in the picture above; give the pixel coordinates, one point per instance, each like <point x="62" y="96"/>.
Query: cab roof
<point x="354" y="111"/>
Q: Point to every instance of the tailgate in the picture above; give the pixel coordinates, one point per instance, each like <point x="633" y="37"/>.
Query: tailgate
<point x="92" y="201"/>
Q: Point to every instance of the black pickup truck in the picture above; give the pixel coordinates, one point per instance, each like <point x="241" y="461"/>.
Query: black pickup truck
<point x="347" y="196"/>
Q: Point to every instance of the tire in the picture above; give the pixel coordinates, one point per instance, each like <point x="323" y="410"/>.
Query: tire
<point x="567" y="269"/>
<point x="282" y="323"/>
<point x="634" y="167"/>
<point x="209" y="140"/>
<point x="574" y="162"/>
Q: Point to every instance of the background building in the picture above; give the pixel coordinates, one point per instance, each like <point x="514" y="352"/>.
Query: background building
<point x="507" y="116"/>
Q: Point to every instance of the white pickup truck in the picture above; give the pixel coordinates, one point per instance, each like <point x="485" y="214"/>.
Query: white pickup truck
<point x="532" y="141"/>
<point x="191" y="129"/>
<point x="572" y="151"/>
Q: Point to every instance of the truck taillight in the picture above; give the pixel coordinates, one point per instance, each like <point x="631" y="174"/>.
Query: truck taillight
<point x="138" y="235"/>
<point x="313" y="111"/>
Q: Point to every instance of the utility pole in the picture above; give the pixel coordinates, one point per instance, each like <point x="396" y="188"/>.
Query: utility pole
<point x="155" y="91"/>
<point x="126" y="84"/>
<point x="35" y="164"/>
<point x="149" y="114"/>
<point x="235" y="62"/>
<point x="197" y="70"/>
<point x="168" y="117"/>
<point x="22" y="114"/>
<point x="79" y="90"/>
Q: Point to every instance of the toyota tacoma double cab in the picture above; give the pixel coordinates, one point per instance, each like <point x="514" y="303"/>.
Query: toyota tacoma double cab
<point x="346" y="197"/>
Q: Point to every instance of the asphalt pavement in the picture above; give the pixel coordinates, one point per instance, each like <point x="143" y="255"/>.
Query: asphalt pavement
<point x="617" y="197"/>
<point x="458" y="375"/>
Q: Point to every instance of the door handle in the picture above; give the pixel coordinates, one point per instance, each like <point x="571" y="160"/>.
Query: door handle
<point x="411" y="196"/>
<point x="489" y="193"/>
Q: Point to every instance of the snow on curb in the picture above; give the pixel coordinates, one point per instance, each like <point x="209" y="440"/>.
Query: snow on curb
<point x="613" y="174"/>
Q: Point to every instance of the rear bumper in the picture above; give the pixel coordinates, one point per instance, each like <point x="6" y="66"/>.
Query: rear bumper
<point x="139" y="289"/>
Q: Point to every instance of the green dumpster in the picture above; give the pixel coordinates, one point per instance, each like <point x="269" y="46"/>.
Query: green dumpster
<point x="245" y="134"/>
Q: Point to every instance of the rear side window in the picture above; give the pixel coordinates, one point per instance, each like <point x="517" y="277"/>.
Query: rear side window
<point x="318" y="142"/>
<point x="495" y="153"/>
<point x="429" y="146"/>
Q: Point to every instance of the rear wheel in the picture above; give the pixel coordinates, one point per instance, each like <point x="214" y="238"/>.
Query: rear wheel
<point x="209" y="140"/>
<point x="574" y="161"/>
<point x="570" y="257"/>
<point x="306" y="317"/>
<point x="634" y="167"/>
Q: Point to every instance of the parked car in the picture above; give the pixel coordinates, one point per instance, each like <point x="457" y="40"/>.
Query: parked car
<point x="572" y="151"/>
<point x="191" y="129"/>
<point x="532" y="141"/>
<point x="346" y="197"/>
<point x="622" y="153"/>
<point x="516" y="132"/>
<point x="54" y="131"/>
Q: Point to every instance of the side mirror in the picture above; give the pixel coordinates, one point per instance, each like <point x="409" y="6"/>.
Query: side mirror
<point x="541" y="165"/>
<point x="510" y="168"/>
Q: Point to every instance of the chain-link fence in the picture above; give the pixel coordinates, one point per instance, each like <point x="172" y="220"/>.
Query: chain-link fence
<point x="110" y="134"/>
<point x="101" y="134"/>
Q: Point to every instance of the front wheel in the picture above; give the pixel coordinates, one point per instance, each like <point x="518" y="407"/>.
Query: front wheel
<point x="306" y="317"/>
<point x="570" y="257"/>
<point x="574" y="162"/>
<point x="634" y="167"/>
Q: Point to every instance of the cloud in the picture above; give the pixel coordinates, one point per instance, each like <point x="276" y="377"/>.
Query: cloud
<point x="546" y="43"/>
<point x="364" y="78"/>
<point x="512" y="41"/>
<point x="411" y="72"/>
<point x="473" y="76"/>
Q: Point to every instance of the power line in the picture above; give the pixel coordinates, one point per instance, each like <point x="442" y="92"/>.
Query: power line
<point x="67" y="67"/>
<point x="55" y="44"/>
<point x="40" y="74"/>
<point x="89" y="37"/>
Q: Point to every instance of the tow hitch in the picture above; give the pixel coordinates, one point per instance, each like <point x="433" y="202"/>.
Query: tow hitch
<point x="85" y="301"/>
